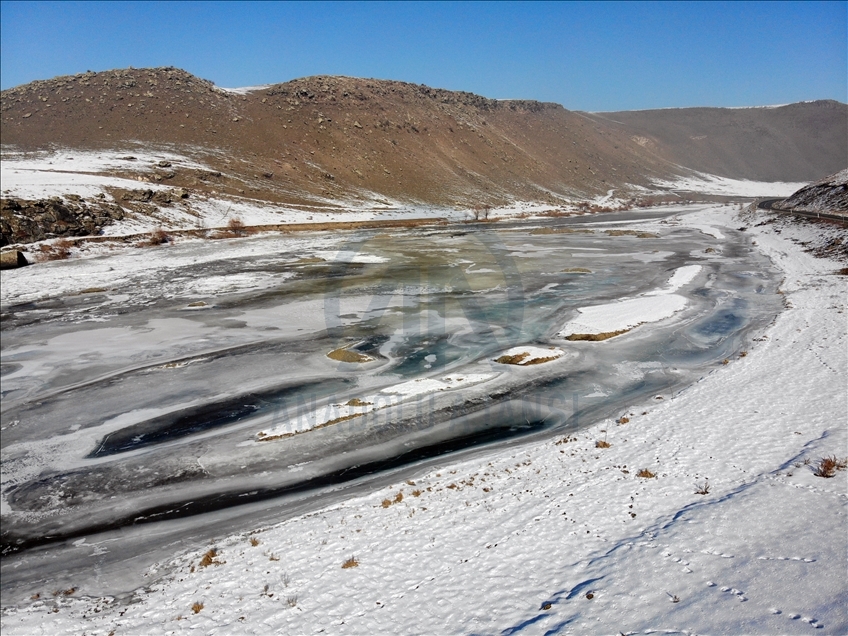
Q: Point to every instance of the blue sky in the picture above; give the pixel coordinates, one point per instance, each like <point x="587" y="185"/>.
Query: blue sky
<point x="586" y="56"/>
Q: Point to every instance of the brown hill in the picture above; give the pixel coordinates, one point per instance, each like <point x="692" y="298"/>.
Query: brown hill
<point x="335" y="136"/>
<point x="796" y="142"/>
<point x="345" y="138"/>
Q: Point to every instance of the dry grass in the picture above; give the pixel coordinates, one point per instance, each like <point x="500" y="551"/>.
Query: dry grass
<point x="345" y="355"/>
<point x="58" y="251"/>
<point x="158" y="237"/>
<point x="209" y="558"/>
<point x="576" y="270"/>
<point x="350" y="563"/>
<point x="602" y="443"/>
<point x="398" y="498"/>
<point x="646" y="474"/>
<point x="519" y="359"/>
<point x="196" y="607"/>
<point x="559" y="230"/>
<point x="516" y="359"/>
<point x="254" y="541"/>
<point x="386" y="503"/>
<point x="703" y="489"/>
<point x="595" y="337"/>
<point x="623" y="419"/>
<point x="631" y="233"/>
<point x="828" y="466"/>
<point x="357" y="402"/>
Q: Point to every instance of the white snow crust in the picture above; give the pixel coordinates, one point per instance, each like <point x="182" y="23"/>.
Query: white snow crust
<point x="652" y="306"/>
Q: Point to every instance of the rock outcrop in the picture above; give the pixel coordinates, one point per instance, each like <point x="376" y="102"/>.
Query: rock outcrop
<point x="23" y="221"/>
<point x="830" y="195"/>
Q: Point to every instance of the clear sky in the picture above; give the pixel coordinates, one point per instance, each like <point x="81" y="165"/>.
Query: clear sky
<point x="586" y="56"/>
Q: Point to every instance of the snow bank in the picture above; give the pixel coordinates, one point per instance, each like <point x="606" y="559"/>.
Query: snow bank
<point x="626" y="314"/>
<point x="385" y="398"/>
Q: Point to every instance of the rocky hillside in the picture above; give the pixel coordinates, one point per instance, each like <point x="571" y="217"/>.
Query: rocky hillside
<point x="796" y="142"/>
<point x="349" y="139"/>
<point x="334" y="136"/>
<point x="830" y="195"/>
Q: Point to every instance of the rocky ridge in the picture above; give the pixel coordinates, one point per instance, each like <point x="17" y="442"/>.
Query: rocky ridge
<point x="829" y="195"/>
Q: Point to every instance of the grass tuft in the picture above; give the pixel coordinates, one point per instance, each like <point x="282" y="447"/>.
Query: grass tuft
<point x="702" y="489"/>
<point x="828" y="466"/>
<point x="350" y="563"/>
<point x="602" y="443"/>
<point x="595" y="337"/>
<point x="209" y="558"/>
<point x="645" y="473"/>
<point x="197" y="607"/>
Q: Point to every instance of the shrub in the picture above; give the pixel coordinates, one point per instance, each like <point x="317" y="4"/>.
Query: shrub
<point x="254" y="541"/>
<point x="158" y="237"/>
<point x="702" y="489"/>
<point x="828" y="466"/>
<point x="236" y="227"/>
<point x="197" y="607"/>
<point x="350" y="563"/>
<point x="58" y="251"/>
<point x="646" y="474"/>
<point x="602" y="443"/>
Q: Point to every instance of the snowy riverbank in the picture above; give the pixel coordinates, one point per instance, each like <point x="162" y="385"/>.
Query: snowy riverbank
<point x="562" y="536"/>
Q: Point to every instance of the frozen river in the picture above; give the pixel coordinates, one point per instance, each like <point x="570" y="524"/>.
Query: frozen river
<point x="155" y="398"/>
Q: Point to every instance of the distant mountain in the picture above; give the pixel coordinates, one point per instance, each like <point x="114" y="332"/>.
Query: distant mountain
<point x="344" y="138"/>
<point x="796" y="142"/>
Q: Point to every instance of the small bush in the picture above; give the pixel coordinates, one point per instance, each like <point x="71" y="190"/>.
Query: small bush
<point x="623" y="419"/>
<point x="702" y="489"/>
<point x="254" y="541"/>
<point x="58" y="251"/>
<point x="646" y="474"/>
<point x="350" y="563"/>
<point x="398" y="498"/>
<point x="158" y="237"/>
<point x="601" y="443"/>
<point x="236" y="227"/>
<point x="291" y="601"/>
<point x="828" y="466"/>
<point x="197" y="607"/>
<point x="386" y="503"/>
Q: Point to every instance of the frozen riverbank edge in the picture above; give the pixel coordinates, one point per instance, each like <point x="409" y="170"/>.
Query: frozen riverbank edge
<point x="555" y="537"/>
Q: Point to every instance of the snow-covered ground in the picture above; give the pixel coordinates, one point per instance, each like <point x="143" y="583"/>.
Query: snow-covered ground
<point x="564" y="536"/>
<point x="714" y="184"/>
<point x="88" y="174"/>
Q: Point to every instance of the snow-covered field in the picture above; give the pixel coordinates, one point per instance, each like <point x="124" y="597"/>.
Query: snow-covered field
<point x="564" y="536"/>
<point x="714" y="184"/>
